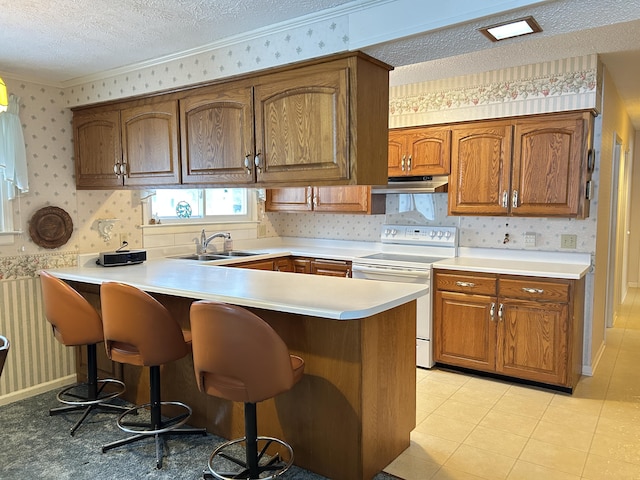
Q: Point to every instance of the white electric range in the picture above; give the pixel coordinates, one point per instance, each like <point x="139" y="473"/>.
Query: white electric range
<point x="408" y="252"/>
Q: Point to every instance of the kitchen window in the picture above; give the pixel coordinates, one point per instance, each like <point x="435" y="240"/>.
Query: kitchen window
<point x="211" y="205"/>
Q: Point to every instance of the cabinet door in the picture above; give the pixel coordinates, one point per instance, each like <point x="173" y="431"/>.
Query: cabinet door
<point x="547" y="166"/>
<point x="480" y="169"/>
<point x="302" y="265"/>
<point x="289" y="199"/>
<point x="533" y="340"/>
<point x="397" y="153"/>
<point x="98" y="149"/>
<point x="429" y="151"/>
<point x="150" y="152"/>
<point x="464" y="330"/>
<point x="217" y="135"/>
<point x="354" y="199"/>
<point x="284" y="264"/>
<point x="302" y="127"/>
<point x="332" y="268"/>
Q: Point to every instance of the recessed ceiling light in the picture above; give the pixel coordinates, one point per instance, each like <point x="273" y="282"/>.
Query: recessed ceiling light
<point x="513" y="28"/>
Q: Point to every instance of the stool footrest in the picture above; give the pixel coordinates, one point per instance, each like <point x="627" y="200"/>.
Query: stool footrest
<point x="72" y="396"/>
<point x="225" y="464"/>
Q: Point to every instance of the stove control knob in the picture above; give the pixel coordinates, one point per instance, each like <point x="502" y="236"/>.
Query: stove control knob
<point x="432" y="233"/>
<point x="440" y="233"/>
<point x="447" y="235"/>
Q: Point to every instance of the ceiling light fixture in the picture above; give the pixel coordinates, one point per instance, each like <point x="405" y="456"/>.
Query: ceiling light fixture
<point x="4" y="98"/>
<point x="510" y="29"/>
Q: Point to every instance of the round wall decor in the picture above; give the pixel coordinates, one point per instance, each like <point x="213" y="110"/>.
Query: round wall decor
<point x="50" y="227"/>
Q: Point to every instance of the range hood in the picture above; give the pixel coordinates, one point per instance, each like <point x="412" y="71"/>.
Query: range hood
<point x="415" y="184"/>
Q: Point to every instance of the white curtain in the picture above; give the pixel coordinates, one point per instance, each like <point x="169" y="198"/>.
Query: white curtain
<point x="13" y="155"/>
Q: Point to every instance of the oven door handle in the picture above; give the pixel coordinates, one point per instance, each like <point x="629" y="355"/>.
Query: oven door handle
<point x="392" y="272"/>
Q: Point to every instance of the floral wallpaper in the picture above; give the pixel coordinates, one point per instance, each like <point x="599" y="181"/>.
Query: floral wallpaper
<point x="569" y="83"/>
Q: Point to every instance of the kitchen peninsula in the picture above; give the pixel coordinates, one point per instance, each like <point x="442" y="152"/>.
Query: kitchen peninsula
<point x="353" y="411"/>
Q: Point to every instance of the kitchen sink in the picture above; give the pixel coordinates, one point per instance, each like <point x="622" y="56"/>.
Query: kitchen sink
<point x="204" y="257"/>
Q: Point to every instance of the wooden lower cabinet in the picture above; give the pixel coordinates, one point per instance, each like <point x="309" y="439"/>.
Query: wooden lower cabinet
<point x="523" y="327"/>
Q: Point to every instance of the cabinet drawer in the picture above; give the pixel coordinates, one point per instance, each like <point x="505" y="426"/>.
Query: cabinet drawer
<point x="534" y="290"/>
<point x="475" y="283"/>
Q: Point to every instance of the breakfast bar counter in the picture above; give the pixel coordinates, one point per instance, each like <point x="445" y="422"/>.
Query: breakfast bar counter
<point x="354" y="409"/>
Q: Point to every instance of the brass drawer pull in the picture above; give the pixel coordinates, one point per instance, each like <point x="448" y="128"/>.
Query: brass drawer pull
<point x="532" y="290"/>
<point x="465" y="284"/>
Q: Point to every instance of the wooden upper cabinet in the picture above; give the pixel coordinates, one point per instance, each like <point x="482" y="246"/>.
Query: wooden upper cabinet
<point x="323" y="123"/>
<point x="132" y="144"/>
<point x="533" y="167"/>
<point x="217" y="135"/>
<point x="98" y="148"/>
<point x="481" y="169"/>
<point x="302" y="126"/>
<point x="419" y="151"/>
<point x="547" y="166"/>
<point x="319" y="122"/>
<point x="349" y="199"/>
<point x="150" y="144"/>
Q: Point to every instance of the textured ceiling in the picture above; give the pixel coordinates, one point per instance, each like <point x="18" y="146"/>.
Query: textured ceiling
<point x="56" y="41"/>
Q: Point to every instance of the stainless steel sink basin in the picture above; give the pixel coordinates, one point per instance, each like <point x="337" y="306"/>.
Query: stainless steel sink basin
<point x="204" y="257"/>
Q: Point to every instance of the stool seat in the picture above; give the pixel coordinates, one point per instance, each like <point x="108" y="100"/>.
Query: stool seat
<point x="140" y="331"/>
<point x="4" y="350"/>
<point x="76" y="323"/>
<point x="237" y="356"/>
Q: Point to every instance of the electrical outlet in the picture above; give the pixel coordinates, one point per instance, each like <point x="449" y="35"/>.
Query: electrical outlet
<point x="568" y="241"/>
<point x="530" y="239"/>
<point x="262" y="231"/>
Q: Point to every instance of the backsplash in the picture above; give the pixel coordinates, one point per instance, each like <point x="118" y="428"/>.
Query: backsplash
<point x="431" y="209"/>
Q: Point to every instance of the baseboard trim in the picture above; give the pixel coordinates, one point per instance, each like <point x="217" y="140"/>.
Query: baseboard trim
<point x="589" y="370"/>
<point x="37" y="389"/>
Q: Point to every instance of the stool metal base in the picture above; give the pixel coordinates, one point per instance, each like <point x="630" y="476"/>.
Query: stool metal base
<point x="88" y="397"/>
<point x="154" y="428"/>
<point x="230" y="467"/>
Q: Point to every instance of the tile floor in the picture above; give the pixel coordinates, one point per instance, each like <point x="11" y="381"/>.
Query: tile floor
<point x="471" y="428"/>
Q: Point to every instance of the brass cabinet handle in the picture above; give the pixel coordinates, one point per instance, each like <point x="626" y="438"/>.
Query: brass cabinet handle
<point x="500" y="308"/>
<point x="116" y="169"/>
<point x="492" y="311"/>
<point x="409" y="163"/>
<point x="532" y="290"/>
<point x="514" y="199"/>
<point x="466" y="284"/>
<point x="247" y="162"/>
<point x="505" y="197"/>
<point x="402" y="163"/>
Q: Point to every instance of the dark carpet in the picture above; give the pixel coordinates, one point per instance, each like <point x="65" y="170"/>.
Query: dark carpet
<point x="35" y="445"/>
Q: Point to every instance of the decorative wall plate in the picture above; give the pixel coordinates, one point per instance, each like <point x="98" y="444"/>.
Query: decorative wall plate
<point x="50" y="227"/>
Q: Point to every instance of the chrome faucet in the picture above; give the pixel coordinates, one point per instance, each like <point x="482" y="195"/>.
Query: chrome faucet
<point x="204" y="241"/>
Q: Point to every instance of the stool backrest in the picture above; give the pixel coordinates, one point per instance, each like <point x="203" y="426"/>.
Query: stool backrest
<point x="138" y="329"/>
<point x="237" y="355"/>
<point x="73" y="319"/>
<point x="4" y="350"/>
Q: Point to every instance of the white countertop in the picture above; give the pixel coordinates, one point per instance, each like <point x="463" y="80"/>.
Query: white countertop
<point x="536" y="264"/>
<point x="314" y="295"/>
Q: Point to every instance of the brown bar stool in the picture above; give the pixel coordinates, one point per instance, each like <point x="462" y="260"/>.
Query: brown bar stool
<point x="75" y="323"/>
<point x="139" y="330"/>
<point x="237" y="356"/>
<point x="4" y="349"/>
